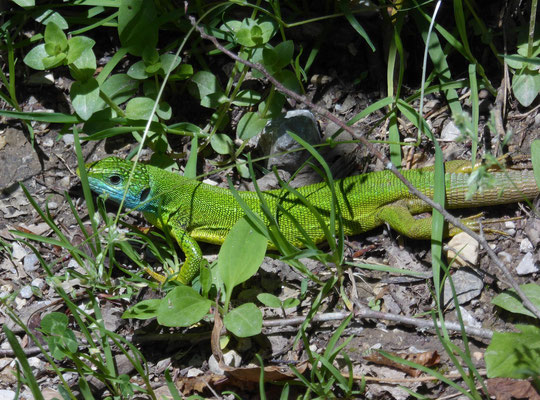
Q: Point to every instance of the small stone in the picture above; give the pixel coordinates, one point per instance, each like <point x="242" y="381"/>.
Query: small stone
<point x="276" y="140"/>
<point x="31" y="262"/>
<point x="18" y="252"/>
<point x="7" y="265"/>
<point x="50" y="394"/>
<point x="36" y="363"/>
<point x="69" y="376"/>
<point x="466" y="248"/>
<point x="7" y="394"/>
<point x="450" y="132"/>
<point x="48" y="142"/>
<point x="469" y="319"/>
<point x="26" y="292"/>
<point x="20" y="303"/>
<point x="525" y="245"/>
<point x="52" y="205"/>
<point x="68" y="139"/>
<point x="510" y="225"/>
<point x="39" y="283"/>
<point x="467" y="284"/>
<point x="4" y="362"/>
<point x="64" y="182"/>
<point x="5" y="291"/>
<point x="527" y="265"/>
<point x="214" y="367"/>
<point x="193" y="372"/>
<point x="232" y="358"/>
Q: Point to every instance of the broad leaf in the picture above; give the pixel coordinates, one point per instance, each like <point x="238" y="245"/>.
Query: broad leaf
<point x="241" y="254"/>
<point x="514" y="355"/>
<point x="85" y="98"/>
<point x="244" y="321"/>
<point x="250" y="124"/>
<point x="182" y="306"/>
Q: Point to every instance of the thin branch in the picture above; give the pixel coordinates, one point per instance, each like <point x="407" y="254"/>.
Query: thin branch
<point x="328" y="115"/>
<point x="367" y="313"/>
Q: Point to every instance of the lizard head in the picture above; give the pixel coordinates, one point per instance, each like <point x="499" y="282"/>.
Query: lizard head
<point x="110" y="176"/>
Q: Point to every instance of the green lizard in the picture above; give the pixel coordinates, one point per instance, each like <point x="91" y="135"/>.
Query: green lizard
<point x="194" y="211"/>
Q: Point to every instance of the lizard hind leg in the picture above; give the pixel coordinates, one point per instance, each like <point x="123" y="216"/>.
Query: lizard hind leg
<point x="400" y="218"/>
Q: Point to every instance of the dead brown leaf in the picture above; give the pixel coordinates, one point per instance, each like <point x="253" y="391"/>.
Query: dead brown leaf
<point x="507" y="389"/>
<point x="427" y="359"/>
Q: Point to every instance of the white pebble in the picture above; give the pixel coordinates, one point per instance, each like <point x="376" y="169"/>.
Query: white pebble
<point x="26" y="292"/>
<point x="31" y="262"/>
<point x="527" y="265"/>
<point x="18" y="252"/>
<point x="525" y="246"/>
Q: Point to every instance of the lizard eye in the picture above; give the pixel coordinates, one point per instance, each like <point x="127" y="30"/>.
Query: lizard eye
<point x="144" y="194"/>
<point x="115" y="179"/>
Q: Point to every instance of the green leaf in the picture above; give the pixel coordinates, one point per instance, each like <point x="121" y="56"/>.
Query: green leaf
<point x="269" y="300"/>
<point x="150" y="56"/>
<point x="120" y="88"/>
<point x="535" y="157"/>
<point x="137" y="25"/>
<point x="526" y="86"/>
<point x="182" y="306"/>
<point x="34" y="58"/>
<point x="242" y="168"/>
<point x="139" y="108"/>
<point x="54" y="61"/>
<point x="272" y="110"/>
<point x="185" y="71"/>
<point x="222" y="144"/>
<point x="252" y="33"/>
<point x="203" y="83"/>
<point x="84" y="66"/>
<point x="510" y="301"/>
<point x="152" y="69"/>
<point x="25" y="3"/>
<point x="278" y="57"/>
<point x="164" y="111"/>
<point x="206" y="280"/>
<point x="250" y="124"/>
<point x="289" y="80"/>
<point x="246" y="98"/>
<point x="54" y="323"/>
<point x="168" y="60"/>
<point x="85" y="98"/>
<point x="145" y="309"/>
<point x="241" y="254"/>
<point x="55" y="39"/>
<point x="244" y="321"/>
<point x="214" y="100"/>
<point x="77" y="45"/>
<point x="138" y="71"/>
<point x="58" y="336"/>
<point x="514" y="355"/>
<point x="290" y="303"/>
<point x="49" y="15"/>
<point x="99" y="121"/>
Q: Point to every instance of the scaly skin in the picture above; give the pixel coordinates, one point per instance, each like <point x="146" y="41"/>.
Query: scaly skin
<point x="193" y="211"/>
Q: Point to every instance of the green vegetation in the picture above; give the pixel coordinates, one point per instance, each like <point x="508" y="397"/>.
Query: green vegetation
<point x="134" y="65"/>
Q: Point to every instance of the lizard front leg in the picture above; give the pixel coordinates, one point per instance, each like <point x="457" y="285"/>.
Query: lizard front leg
<point x="192" y="251"/>
<point x="194" y="259"/>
